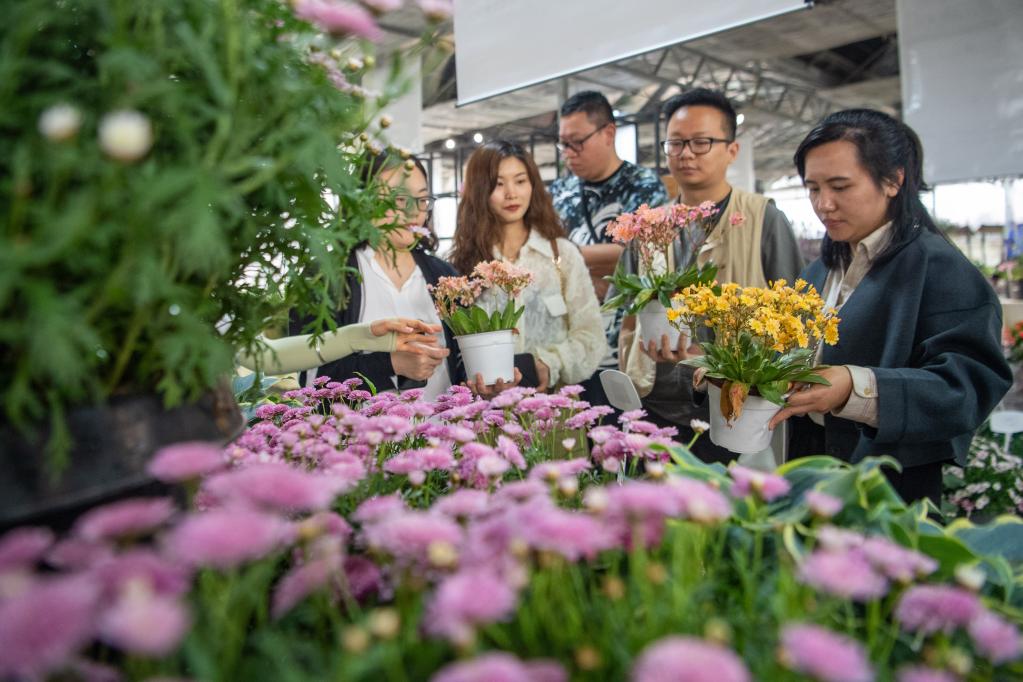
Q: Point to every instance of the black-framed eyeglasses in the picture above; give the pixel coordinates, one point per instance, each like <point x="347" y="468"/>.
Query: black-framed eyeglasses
<point x="698" y="145"/>
<point x="423" y="204"/>
<point x="577" y="146"/>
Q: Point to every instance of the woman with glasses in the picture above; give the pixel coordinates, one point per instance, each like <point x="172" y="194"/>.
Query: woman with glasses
<point x="919" y="364"/>
<point x="391" y="282"/>
<point x="506" y="214"/>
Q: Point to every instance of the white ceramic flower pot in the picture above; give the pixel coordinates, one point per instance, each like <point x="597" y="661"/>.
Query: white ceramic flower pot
<point x="653" y="323"/>
<point x="749" y="433"/>
<point x="491" y="354"/>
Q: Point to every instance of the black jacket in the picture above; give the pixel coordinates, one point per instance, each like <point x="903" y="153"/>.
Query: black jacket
<point x="377" y="366"/>
<point x="929" y="325"/>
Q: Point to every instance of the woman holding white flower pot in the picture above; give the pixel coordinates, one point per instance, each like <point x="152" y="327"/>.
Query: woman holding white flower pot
<point x="506" y="214"/>
<point x="919" y="363"/>
<point x="392" y="283"/>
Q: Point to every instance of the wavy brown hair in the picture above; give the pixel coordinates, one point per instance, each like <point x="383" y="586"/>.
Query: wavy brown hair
<point x="479" y="228"/>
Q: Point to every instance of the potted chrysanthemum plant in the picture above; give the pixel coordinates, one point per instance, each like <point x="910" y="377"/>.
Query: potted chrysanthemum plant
<point x="644" y="285"/>
<point x="765" y="341"/>
<point x="484" y="332"/>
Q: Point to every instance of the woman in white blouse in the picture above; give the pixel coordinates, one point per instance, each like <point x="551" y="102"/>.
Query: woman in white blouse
<point x="392" y="282"/>
<point x="506" y="214"/>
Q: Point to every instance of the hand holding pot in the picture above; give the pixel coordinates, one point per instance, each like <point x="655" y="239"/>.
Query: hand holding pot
<point x="480" y="388"/>
<point x="665" y="352"/>
<point x="818" y="397"/>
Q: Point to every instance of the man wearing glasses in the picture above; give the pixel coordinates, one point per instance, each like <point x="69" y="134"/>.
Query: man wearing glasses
<point x="760" y="248"/>
<point x="600" y="187"/>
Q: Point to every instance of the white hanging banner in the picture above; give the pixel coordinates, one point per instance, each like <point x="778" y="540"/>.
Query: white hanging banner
<point x="502" y="46"/>
<point x="962" y="85"/>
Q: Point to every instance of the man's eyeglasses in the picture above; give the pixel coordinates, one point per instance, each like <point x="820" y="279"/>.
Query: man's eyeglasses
<point x="404" y="202"/>
<point x="577" y="146"/>
<point x="698" y="145"/>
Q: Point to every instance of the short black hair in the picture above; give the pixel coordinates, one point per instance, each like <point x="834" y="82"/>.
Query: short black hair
<point x="703" y="97"/>
<point x="593" y="104"/>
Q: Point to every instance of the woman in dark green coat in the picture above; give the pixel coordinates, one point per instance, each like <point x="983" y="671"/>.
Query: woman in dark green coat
<point x="919" y="363"/>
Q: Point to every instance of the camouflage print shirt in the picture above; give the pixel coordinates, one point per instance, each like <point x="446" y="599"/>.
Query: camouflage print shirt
<point x="626" y="190"/>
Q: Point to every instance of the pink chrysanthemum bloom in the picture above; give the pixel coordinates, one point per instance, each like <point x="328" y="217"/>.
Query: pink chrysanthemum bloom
<point x="507" y="448"/>
<point x="930" y="608"/>
<point x="144" y="622"/>
<point x="338" y="17"/>
<point x="824" y="655"/>
<point x="276" y="485"/>
<point x="687" y="659"/>
<point x="131" y="517"/>
<point x="463" y="503"/>
<point x="377" y="508"/>
<point x="324" y="561"/>
<point x="823" y="505"/>
<point x="748" y="482"/>
<point x="225" y="538"/>
<point x="500" y="667"/>
<point x="922" y="674"/>
<point x="362" y="577"/>
<point x="492" y="466"/>
<point x="44" y="626"/>
<point x="555" y="471"/>
<point x="408" y="536"/>
<point x="466" y="600"/>
<point x="994" y="637"/>
<point x="897" y="562"/>
<point x="160" y="573"/>
<point x="573" y="535"/>
<point x="838" y="539"/>
<point x="700" y="501"/>
<point x="74" y="553"/>
<point x="22" y="547"/>
<point x="187" y="461"/>
<point x="845" y="574"/>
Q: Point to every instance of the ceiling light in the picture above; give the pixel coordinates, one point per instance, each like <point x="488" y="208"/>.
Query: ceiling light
<point x="739" y="119"/>
<point x="478" y="138"/>
<point x="449" y="143"/>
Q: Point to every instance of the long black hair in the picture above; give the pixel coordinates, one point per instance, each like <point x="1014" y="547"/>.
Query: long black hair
<point x="388" y="160"/>
<point x="884" y="147"/>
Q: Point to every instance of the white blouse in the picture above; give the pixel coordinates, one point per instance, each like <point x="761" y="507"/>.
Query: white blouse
<point x="382" y="300"/>
<point x="564" y="331"/>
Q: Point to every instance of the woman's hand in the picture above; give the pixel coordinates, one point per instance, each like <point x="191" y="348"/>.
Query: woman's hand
<point x="665" y="353"/>
<point x="414" y="336"/>
<point x="418" y="364"/>
<point x="808" y="398"/>
<point x="480" y="388"/>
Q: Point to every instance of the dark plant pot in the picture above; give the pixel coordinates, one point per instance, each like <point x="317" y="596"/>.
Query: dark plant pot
<point x="113" y="443"/>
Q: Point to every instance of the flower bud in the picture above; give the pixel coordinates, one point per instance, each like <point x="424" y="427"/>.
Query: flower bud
<point x="568" y="486"/>
<point x="370" y="61"/>
<point x="384" y="623"/>
<point x="442" y="554"/>
<point x="386" y="121"/>
<point x="588" y="658"/>
<point x="354" y="64"/>
<point x="60" y="122"/>
<point x="125" y="135"/>
<point x="354" y="639"/>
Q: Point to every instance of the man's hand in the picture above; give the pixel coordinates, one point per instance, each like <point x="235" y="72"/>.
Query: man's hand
<point x="543" y="374"/>
<point x="808" y="398"/>
<point x="601" y="260"/>
<point x="420" y="363"/>
<point x="413" y="335"/>
<point x="664" y="352"/>
<point x="480" y="388"/>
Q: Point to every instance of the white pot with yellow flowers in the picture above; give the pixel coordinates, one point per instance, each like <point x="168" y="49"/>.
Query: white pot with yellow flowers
<point x="765" y="342"/>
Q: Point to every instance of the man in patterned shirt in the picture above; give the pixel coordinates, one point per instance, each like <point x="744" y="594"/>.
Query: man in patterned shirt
<point x="601" y="186"/>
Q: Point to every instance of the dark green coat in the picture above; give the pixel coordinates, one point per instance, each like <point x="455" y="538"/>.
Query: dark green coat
<point x="930" y="326"/>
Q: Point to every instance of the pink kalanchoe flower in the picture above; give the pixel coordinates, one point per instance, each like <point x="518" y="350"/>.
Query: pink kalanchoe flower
<point x="23" y="547"/>
<point x="500" y="667"/>
<point x="144" y="622"/>
<point x="687" y="659"/>
<point x="845" y="574"/>
<point x="824" y="655"/>
<point x="127" y="518"/>
<point x="930" y="608"/>
<point x="338" y="17"/>
<point x="748" y="482"/>
<point x="44" y="626"/>
<point x="823" y="505"/>
<point x="466" y="600"/>
<point x="994" y="637"/>
<point x="187" y="461"/>
<point x="277" y="486"/>
<point x="921" y="674"/>
<point x="737" y="219"/>
<point x="225" y="538"/>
